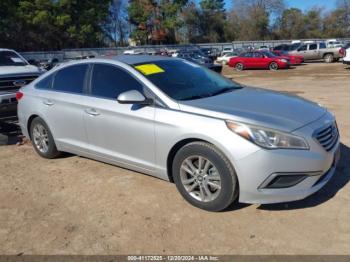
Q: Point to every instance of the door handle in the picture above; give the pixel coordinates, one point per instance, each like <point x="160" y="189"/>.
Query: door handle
<point x="92" y="112"/>
<point x="48" y="102"/>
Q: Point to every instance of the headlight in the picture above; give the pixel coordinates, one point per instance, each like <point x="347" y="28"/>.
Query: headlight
<point x="267" y="138"/>
<point x="284" y="60"/>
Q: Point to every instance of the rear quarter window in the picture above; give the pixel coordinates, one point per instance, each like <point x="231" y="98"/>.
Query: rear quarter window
<point x="70" y="79"/>
<point x="45" y="83"/>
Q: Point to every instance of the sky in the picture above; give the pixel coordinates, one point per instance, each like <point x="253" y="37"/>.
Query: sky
<point x="301" y="4"/>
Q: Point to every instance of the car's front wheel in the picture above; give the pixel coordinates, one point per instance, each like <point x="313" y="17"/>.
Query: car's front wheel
<point x="204" y="176"/>
<point x="42" y="139"/>
<point x="273" y="66"/>
<point x="239" y="67"/>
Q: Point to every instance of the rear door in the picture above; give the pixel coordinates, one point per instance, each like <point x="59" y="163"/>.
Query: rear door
<point x="63" y="106"/>
<point x="248" y="60"/>
<point x="121" y="133"/>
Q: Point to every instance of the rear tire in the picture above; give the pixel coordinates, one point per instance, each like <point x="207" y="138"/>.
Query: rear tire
<point x="328" y="58"/>
<point x="239" y="67"/>
<point x="204" y="176"/>
<point x="273" y="66"/>
<point x="42" y="139"/>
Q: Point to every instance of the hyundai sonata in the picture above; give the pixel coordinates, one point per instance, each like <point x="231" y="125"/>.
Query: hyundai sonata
<point x="217" y="140"/>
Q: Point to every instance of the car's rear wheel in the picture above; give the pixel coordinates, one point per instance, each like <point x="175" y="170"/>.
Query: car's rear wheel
<point x="239" y="67"/>
<point x="204" y="176"/>
<point x="42" y="139"/>
<point x="273" y="66"/>
<point x="329" y="58"/>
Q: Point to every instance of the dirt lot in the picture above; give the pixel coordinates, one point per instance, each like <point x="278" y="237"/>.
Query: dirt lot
<point x="74" y="205"/>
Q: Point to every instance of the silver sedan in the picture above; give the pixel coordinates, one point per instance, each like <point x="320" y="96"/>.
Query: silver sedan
<point x="216" y="140"/>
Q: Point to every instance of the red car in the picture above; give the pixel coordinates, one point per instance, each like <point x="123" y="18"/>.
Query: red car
<point x="294" y="59"/>
<point x="259" y="59"/>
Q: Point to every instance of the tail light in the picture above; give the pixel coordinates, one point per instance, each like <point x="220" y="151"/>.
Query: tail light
<point x="19" y="95"/>
<point x="342" y="51"/>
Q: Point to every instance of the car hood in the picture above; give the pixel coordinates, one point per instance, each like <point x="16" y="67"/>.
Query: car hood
<point x="17" y="70"/>
<point x="258" y="107"/>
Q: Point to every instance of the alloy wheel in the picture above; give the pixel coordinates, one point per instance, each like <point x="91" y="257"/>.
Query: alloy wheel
<point x="200" y="178"/>
<point x="41" y="138"/>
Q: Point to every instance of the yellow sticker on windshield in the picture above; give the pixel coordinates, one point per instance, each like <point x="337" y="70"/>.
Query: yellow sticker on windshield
<point x="149" y="69"/>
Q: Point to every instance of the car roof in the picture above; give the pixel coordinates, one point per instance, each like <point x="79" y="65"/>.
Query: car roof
<point x="139" y="59"/>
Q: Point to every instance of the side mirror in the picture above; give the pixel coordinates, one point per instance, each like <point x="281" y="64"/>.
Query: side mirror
<point x="133" y="97"/>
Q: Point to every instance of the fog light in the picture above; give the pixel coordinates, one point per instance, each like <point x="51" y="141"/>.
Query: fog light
<point x="284" y="181"/>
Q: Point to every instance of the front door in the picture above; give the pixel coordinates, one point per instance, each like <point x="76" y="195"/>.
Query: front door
<point x="120" y="133"/>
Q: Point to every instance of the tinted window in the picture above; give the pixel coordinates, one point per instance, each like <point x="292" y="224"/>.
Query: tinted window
<point x="302" y="48"/>
<point x="322" y="46"/>
<point x="70" y="79"/>
<point x="258" y="55"/>
<point x="279" y="47"/>
<point x="109" y="81"/>
<point x="45" y="83"/>
<point x="313" y="47"/>
<point x="247" y="55"/>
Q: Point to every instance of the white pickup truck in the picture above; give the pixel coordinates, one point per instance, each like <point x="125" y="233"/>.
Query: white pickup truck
<point x="15" y="72"/>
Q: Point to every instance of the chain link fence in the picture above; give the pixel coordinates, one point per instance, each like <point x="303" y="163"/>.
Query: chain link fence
<point x="68" y="54"/>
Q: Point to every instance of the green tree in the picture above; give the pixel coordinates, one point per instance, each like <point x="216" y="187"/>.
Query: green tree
<point x="213" y="19"/>
<point x="291" y="25"/>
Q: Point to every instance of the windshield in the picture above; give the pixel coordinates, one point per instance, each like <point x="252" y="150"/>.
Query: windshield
<point x="8" y="58"/>
<point x="182" y="80"/>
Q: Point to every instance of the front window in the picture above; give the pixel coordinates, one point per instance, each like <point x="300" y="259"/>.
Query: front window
<point x="182" y="80"/>
<point x="9" y="58"/>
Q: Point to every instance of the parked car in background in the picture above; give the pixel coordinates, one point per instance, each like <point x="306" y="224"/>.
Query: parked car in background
<point x="49" y="64"/>
<point x="283" y="47"/>
<point x="133" y="52"/>
<point x="226" y="58"/>
<point x="334" y="43"/>
<point x="226" y="50"/>
<point x="294" y="59"/>
<point x="172" y="119"/>
<point x="318" y="51"/>
<point x="15" y="72"/>
<point x="210" y="52"/>
<point x="258" y="59"/>
<point x="200" y="59"/>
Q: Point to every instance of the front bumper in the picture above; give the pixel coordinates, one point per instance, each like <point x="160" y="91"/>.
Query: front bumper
<point x="346" y="62"/>
<point x="258" y="170"/>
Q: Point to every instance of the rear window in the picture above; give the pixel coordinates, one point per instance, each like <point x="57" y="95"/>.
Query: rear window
<point x="70" y="79"/>
<point x="313" y="47"/>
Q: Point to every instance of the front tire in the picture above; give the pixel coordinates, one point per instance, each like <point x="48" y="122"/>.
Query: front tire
<point x="204" y="176"/>
<point x="42" y="139"/>
<point x="239" y="67"/>
<point x="273" y="66"/>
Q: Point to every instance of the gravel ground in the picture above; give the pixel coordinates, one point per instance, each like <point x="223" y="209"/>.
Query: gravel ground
<point x="74" y="205"/>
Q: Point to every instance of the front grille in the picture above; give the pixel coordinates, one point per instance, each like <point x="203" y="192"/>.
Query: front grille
<point x="8" y="83"/>
<point x="328" y="136"/>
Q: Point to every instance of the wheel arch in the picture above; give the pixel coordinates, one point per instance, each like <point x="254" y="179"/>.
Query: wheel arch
<point x="29" y="122"/>
<point x="174" y="150"/>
